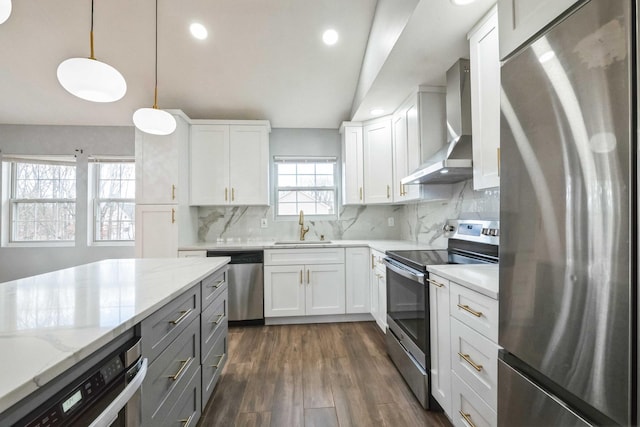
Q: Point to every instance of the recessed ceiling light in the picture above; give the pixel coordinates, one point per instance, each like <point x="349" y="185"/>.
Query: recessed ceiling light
<point x="462" y="2"/>
<point x="198" y="31"/>
<point x="547" y="56"/>
<point x="5" y="10"/>
<point x="443" y="171"/>
<point x="377" y="112"/>
<point x="330" y="37"/>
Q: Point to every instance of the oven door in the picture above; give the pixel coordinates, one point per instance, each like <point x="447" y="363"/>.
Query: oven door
<point x="407" y="308"/>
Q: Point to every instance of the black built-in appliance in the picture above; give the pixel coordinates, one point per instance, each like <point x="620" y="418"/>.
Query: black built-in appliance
<point x="469" y="242"/>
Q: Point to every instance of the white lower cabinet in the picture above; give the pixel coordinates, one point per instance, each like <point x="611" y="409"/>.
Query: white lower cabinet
<point x="440" y="341"/>
<point x="378" y="288"/>
<point x="303" y="289"/>
<point x="469" y="410"/>
<point x="156" y="231"/>
<point x="357" y="280"/>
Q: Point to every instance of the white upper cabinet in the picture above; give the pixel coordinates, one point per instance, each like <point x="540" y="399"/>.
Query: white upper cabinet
<point x="229" y="164"/>
<point x="158" y="165"/>
<point x="378" y="155"/>
<point x="352" y="164"/>
<point x="485" y="102"/>
<point x="520" y="20"/>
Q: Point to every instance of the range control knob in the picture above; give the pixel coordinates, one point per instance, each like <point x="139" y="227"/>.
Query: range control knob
<point x="449" y="228"/>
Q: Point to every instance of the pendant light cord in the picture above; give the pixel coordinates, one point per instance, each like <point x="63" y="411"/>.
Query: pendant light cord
<point x="91" y="33"/>
<point x="155" y="97"/>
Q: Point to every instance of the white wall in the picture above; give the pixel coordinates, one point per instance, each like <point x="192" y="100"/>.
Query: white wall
<point x="17" y="262"/>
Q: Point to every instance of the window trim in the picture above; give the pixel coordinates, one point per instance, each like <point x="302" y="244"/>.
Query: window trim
<point x="306" y="159"/>
<point x="11" y="201"/>
<point x="95" y="200"/>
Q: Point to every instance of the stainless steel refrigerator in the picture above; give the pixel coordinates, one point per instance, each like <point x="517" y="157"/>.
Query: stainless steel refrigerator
<point x="568" y="215"/>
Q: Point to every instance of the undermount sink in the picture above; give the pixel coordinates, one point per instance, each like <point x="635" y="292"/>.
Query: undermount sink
<point x="303" y="242"/>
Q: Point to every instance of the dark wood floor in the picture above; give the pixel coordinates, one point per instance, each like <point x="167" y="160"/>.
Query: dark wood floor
<point x="320" y="375"/>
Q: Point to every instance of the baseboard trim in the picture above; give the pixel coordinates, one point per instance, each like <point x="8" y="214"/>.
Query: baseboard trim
<point x="332" y="318"/>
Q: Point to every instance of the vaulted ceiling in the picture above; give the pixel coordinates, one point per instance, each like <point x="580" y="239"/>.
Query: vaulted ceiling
<point x="263" y="59"/>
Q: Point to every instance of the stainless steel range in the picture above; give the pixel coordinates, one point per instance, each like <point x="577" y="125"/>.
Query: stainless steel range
<point x="469" y="242"/>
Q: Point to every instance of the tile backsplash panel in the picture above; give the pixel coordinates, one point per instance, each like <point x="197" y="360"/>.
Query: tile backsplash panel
<point x="242" y="223"/>
<point x="418" y="222"/>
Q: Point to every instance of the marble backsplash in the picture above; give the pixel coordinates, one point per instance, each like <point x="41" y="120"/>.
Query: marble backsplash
<point x="423" y="221"/>
<point x="242" y="223"/>
<point x="419" y="222"/>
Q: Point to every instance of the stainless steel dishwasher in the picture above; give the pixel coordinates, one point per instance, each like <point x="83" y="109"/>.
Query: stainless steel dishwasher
<point x="246" y="286"/>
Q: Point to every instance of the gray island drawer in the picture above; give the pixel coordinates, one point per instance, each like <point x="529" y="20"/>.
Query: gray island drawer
<point x="213" y="363"/>
<point x="187" y="408"/>
<point x="214" y="318"/>
<point x="213" y="286"/>
<point x="163" y="326"/>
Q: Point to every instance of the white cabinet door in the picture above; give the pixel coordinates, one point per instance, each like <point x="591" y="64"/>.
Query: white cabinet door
<point x="485" y="104"/>
<point x="156" y="168"/>
<point x="249" y="165"/>
<point x="156" y="231"/>
<point x="382" y="299"/>
<point x="357" y="280"/>
<point x="400" y="160"/>
<point x="378" y="162"/>
<point x="412" y="192"/>
<point x="284" y="290"/>
<point x="440" y="342"/>
<point x="209" y="169"/>
<point x="373" y="289"/>
<point x="325" y="292"/>
<point x="522" y="19"/>
<point x="352" y="165"/>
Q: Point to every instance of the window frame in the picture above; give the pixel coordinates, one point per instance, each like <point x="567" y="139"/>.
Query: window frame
<point x="95" y="163"/>
<point x="12" y="201"/>
<point x="305" y="159"/>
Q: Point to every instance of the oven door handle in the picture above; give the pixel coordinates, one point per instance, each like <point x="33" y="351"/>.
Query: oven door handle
<point x="110" y="414"/>
<point x="415" y="276"/>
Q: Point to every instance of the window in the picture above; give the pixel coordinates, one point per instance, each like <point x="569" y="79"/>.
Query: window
<point x="43" y="200"/>
<point x="305" y="184"/>
<point x="114" y="202"/>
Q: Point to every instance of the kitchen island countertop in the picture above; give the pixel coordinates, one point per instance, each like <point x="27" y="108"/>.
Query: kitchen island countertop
<point x="482" y="278"/>
<point x="51" y="321"/>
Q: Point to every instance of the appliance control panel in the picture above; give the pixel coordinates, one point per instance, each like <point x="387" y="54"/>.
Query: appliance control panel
<point x="480" y="231"/>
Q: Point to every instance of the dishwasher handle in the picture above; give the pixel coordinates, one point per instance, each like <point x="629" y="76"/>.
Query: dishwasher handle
<point x="110" y="414"/>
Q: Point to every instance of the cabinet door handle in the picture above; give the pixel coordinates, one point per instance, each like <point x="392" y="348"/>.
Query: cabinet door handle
<point x="388" y="192"/>
<point x="177" y="375"/>
<point x="186" y="422"/>
<point x="217" y="285"/>
<point x="498" y="150"/>
<point x="373" y="262"/>
<point x="401" y="190"/>
<point x="360" y="193"/>
<point x="433" y="282"/>
<point x="470" y="310"/>
<point x="182" y="317"/>
<point x="301" y="277"/>
<point x="467" y="418"/>
<point x="467" y="359"/>
<point x="233" y="194"/>
<point x="217" y="321"/>
<point x="308" y="281"/>
<point x="173" y="216"/>
<point x="173" y="192"/>
<point x="226" y="194"/>
<point x="221" y="356"/>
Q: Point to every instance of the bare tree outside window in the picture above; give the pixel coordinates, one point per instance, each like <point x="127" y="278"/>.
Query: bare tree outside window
<point x="43" y="202"/>
<point x="308" y="186"/>
<point x="115" y="202"/>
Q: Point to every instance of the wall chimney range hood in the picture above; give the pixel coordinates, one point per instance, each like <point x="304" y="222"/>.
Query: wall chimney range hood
<point x="452" y="163"/>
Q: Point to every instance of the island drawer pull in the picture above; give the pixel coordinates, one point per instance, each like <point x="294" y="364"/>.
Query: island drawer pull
<point x="467" y="359"/>
<point x="438" y="284"/>
<point x="470" y="310"/>
<point x="467" y="418"/>
<point x="186" y="422"/>
<point x="180" y="372"/>
<point x="182" y="317"/>
<point x="217" y="321"/>
<point x="217" y="285"/>
<point x="221" y="356"/>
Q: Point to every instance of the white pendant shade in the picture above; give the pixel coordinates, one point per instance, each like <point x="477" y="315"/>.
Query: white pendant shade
<point x="91" y="80"/>
<point x="154" y="121"/>
<point x="5" y="10"/>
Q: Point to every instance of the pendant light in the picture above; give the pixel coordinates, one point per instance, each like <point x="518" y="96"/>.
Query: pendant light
<point x="5" y="10"/>
<point x="90" y="79"/>
<point x="153" y="120"/>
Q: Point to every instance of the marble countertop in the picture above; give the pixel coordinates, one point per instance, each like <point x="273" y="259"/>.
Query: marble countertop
<point x="51" y="321"/>
<point x="482" y="278"/>
<point x="234" y="244"/>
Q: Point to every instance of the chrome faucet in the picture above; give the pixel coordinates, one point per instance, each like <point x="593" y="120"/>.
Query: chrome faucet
<point x="303" y="230"/>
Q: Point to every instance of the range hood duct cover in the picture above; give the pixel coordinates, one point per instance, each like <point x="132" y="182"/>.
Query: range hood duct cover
<point x="452" y="163"/>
